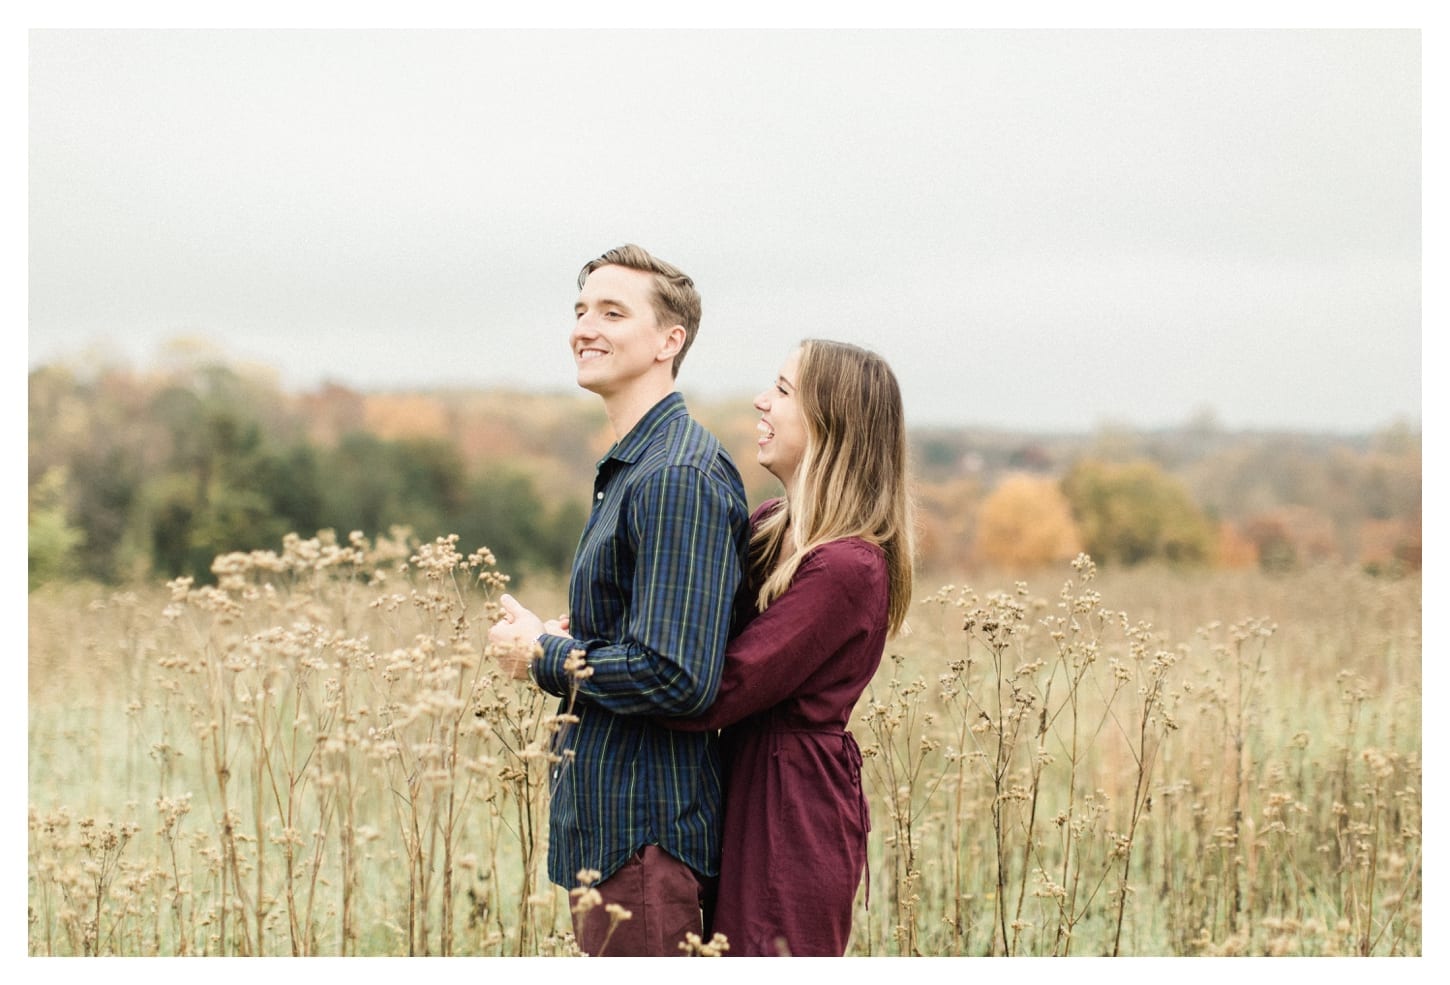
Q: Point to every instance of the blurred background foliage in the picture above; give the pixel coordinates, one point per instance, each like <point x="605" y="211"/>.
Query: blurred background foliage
<point x="138" y="474"/>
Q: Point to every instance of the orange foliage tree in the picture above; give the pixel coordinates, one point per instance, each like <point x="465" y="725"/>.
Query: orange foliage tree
<point x="1233" y="548"/>
<point x="1025" y="523"/>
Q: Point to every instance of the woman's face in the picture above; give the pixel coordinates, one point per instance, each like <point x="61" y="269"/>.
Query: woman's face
<point x="781" y="440"/>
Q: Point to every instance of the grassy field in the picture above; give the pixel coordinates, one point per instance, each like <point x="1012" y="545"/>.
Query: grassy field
<point x="316" y="756"/>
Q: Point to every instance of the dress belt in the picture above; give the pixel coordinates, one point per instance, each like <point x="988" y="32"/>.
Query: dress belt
<point x="853" y="756"/>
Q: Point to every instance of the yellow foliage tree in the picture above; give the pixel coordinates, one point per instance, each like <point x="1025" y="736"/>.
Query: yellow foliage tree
<point x="1025" y="523"/>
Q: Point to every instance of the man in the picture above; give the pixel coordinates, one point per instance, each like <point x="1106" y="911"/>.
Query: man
<point x="650" y="600"/>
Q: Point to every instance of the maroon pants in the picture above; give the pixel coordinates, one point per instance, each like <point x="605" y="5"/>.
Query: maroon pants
<point x="664" y="897"/>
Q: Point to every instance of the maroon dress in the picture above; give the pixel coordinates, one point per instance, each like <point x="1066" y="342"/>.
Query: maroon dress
<point x="794" y="842"/>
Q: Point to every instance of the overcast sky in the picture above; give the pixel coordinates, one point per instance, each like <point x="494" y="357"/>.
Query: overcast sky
<point x="1040" y="229"/>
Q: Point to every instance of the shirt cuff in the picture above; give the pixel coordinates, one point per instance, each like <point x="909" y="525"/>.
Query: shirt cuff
<point x="548" y="670"/>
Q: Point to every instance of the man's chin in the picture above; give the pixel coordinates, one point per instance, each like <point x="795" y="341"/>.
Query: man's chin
<point x="591" y="384"/>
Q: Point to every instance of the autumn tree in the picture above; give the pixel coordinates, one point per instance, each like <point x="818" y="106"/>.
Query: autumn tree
<point x="1290" y="536"/>
<point x="1134" y="512"/>
<point x="1025" y="523"/>
<point x="1234" y="548"/>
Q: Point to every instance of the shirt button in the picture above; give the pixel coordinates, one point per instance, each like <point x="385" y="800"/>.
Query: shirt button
<point x="599" y="496"/>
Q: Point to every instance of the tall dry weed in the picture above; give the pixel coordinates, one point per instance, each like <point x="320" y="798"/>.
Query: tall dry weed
<point x="316" y="755"/>
<point x="1058" y="778"/>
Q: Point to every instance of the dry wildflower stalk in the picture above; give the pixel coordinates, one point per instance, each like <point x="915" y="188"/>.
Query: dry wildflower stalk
<point x="1075" y="718"/>
<point x="306" y="727"/>
<point x="896" y="758"/>
<point x="315" y="755"/>
<point x="715" y="947"/>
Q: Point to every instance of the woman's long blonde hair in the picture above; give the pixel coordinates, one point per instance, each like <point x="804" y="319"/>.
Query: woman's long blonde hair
<point x="851" y="481"/>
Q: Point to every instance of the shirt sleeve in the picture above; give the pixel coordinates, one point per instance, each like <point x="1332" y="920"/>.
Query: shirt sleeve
<point x="687" y="567"/>
<point x="834" y="590"/>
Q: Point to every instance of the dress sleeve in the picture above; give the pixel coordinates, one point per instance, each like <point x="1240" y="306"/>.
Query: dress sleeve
<point x="687" y="568"/>
<point x="836" y="592"/>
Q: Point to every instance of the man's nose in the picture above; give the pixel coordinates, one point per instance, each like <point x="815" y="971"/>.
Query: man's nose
<point x="583" y="328"/>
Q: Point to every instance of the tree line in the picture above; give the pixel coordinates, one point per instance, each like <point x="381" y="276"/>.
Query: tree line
<point x="133" y="478"/>
<point x="136" y="475"/>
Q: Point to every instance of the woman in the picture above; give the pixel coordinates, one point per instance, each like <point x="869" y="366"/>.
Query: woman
<point x="830" y="578"/>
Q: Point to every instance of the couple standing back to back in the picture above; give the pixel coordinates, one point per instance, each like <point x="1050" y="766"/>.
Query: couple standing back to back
<point x="710" y="780"/>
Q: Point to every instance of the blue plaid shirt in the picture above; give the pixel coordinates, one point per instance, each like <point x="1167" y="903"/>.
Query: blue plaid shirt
<point x="650" y="599"/>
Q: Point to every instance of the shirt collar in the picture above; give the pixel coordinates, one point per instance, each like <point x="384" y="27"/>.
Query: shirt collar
<point x="633" y="444"/>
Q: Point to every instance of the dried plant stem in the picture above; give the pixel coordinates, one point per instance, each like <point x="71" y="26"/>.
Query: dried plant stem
<point x="360" y="778"/>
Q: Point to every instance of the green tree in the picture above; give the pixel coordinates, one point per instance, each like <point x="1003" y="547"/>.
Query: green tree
<point x="52" y="539"/>
<point x="505" y="512"/>
<point x="1134" y="512"/>
<point x="372" y="484"/>
<point x="223" y="484"/>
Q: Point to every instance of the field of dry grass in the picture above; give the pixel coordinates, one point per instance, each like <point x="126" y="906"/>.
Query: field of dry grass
<point x="316" y="756"/>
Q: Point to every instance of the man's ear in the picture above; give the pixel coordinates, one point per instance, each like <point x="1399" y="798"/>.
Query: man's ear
<point x="671" y="343"/>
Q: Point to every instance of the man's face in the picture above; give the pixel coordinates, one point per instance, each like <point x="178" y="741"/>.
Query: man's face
<point x="617" y="340"/>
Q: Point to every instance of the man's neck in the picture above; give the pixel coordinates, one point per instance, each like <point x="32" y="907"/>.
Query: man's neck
<point x="625" y="409"/>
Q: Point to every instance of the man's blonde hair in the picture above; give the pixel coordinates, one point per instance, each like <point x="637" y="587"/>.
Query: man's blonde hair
<point x="675" y="301"/>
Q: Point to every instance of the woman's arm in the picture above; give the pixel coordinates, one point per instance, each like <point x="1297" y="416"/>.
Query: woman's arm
<point x="802" y="629"/>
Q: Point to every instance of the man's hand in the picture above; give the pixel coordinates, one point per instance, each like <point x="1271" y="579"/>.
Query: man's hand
<point x="514" y="637"/>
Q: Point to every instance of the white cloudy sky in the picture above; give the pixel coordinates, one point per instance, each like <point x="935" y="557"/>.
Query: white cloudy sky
<point x="1039" y="228"/>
